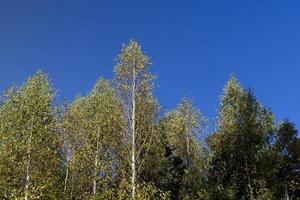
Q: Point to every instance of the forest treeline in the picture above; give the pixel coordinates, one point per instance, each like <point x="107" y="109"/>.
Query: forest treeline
<point x="118" y="142"/>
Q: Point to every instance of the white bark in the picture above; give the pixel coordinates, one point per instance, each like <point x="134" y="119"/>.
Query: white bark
<point x="26" y="189"/>
<point x="96" y="164"/>
<point x="68" y="148"/>
<point x="187" y="146"/>
<point x="66" y="179"/>
<point x="133" y="158"/>
<point x="27" y="177"/>
<point x="94" y="181"/>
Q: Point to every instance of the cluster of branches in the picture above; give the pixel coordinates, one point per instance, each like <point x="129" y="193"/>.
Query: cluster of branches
<point x="118" y="143"/>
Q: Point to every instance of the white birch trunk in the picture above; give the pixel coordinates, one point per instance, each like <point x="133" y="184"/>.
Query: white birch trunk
<point x="26" y="189"/>
<point x="66" y="179"/>
<point x="96" y="164"/>
<point x="67" y="169"/>
<point x="27" y="177"/>
<point x="133" y="158"/>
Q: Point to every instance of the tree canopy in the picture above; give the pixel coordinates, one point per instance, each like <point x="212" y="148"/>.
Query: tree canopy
<point x="118" y="142"/>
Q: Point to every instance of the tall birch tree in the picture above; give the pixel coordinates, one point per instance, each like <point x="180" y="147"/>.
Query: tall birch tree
<point x="132" y="78"/>
<point x="182" y="129"/>
<point x="241" y="142"/>
<point x="94" y="125"/>
<point x="30" y="148"/>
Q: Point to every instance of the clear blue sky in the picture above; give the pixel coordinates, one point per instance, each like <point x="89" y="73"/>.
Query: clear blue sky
<point x="194" y="45"/>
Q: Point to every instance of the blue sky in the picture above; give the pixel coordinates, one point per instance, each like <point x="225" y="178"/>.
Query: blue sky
<point x="194" y="45"/>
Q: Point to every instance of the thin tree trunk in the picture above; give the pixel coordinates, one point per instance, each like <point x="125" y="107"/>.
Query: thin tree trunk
<point x="96" y="164"/>
<point x="67" y="170"/>
<point x="27" y="177"/>
<point x="286" y="193"/>
<point x="187" y="149"/>
<point x="72" y="181"/>
<point x="66" y="178"/>
<point x="251" y="196"/>
<point x="249" y="182"/>
<point x="133" y="158"/>
<point x="71" y="196"/>
<point x="28" y="165"/>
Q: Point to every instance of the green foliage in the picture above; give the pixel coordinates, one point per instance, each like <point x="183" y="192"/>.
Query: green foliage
<point x="27" y="129"/>
<point x="285" y="154"/>
<point x="241" y="142"/>
<point x="133" y="83"/>
<point x="118" y="143"/>
<point x="183" y="158"/>
<point x="150" y="192"/>
<point x="94" y="132"/>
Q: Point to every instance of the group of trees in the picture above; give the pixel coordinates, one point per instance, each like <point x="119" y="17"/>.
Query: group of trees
<point x="118" y="143"/>
<point x="252" y="157"/>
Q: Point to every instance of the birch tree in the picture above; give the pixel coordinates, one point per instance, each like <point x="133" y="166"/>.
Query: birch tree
<point x="133" y="81"/>
<point x="286" y="155"/>
<point x="31" y="149"/>
<point x="185" y="125"/>
<point x="182" y="129"/>
<point x="241" y="142"/>
<point x="95" y="127"/>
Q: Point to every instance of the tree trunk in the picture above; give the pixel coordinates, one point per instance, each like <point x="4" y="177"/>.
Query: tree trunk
<point x="66" y="179"/>
<point x="133" y="158"/>
<point x="251" y="194"/>
<point x="27" y="176"/>
<point x="187" y="150"/>
<point x="96" y="164"/>
<point x="28" y="164"/>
